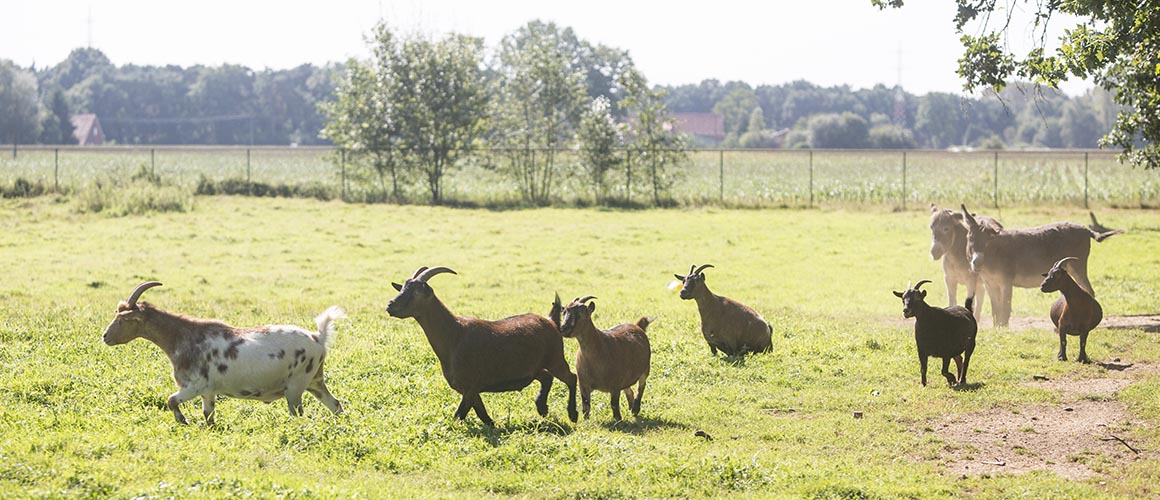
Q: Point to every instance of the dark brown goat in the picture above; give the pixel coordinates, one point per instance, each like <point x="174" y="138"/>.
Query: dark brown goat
<point x="608" y="360"/>
<point x="1075" y="313"/>
<point x="942" y="333"/>
<point x="480" y="356"/>
<point x="1007" y="258"/>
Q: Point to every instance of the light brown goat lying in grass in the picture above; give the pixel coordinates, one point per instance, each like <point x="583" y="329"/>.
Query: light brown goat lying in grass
<point x="209" y="357"/>
<point x="726" y="324"/>
<point x="608" y="360"/>
<point x="480" y="356"/>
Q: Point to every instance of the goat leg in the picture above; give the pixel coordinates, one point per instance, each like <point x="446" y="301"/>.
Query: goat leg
<point x="959" y="366"/>
<point x="922" y="367"/>
<point x="1062" y="356"/>
<point x="1083" y="357"/>
<point x="464" y="407"/>
<point x="480" y="411"/>
<point x="545" y="379"/>
<point x="207" y="407"/>
<point x="639" y="394"/>
<point x="174" y="402"/>
<point x="946" y="372"/>
<point x="616" y="405"/>
<point x="586" y="400"/>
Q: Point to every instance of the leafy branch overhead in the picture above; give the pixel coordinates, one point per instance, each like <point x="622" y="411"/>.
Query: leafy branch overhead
<point x="1116" y="43"/>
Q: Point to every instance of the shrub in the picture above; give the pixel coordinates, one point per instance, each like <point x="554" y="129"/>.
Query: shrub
<point x="145" y="192"/>
<point x="236" y="186"/>
<point x="23" y="188"/>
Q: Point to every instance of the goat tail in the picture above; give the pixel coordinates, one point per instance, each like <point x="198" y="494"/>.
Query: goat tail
<point x="644" y="321"/>
<point x="970" y="305"/>
<point x="325" y="323"/>
<point x="556" y="312"/>
<point x="1100" y="237"/>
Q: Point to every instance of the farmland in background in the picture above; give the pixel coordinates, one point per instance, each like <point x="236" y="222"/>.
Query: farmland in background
<point x="744" y="178"/>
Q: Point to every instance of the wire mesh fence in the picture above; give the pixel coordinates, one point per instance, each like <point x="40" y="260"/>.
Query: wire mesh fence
<point x="757" y="178"/>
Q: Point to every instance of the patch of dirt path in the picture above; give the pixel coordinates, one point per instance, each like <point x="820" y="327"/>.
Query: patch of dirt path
<point x="1067" y="438"/>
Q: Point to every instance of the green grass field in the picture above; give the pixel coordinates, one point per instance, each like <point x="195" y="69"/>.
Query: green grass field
<point x="81" y="419"/>
<point x="731" y="178"/>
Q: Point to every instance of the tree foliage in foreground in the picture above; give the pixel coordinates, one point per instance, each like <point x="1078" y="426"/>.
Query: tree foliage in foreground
<point x="1116" y="43"/>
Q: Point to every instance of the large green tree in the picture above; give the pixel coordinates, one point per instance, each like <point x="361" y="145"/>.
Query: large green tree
<point x="599" y="138"/>
<point x="1115" y="42"/>
<point x="441" y="102"/>
<point x="540" y="95"/>
<point x="19" y="105"/>
<point x="653" y="143"/>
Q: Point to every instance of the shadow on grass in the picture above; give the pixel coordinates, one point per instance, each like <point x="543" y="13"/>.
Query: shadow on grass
<point x="970" y="387"/>
<point x="495" y="435"/>
<point x="1116" y="367"/>
<point x="640" y="425"/>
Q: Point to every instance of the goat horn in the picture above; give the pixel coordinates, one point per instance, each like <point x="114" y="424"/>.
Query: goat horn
<point x="585" y="298"/>
<point x="428" y="273"/>
<point x="418" y="272"/>
<point x="702" y="268"/>
<point x="1061" y="261"/>
<point x="140" y="290"/>
<point x="920" y="283"/>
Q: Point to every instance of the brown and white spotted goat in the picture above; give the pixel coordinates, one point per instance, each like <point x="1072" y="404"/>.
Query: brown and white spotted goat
<point x="209" y="357"/>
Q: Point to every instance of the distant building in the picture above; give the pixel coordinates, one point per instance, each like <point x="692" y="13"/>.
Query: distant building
<point x="705" y="128"/>
<point x="87" y="130"/>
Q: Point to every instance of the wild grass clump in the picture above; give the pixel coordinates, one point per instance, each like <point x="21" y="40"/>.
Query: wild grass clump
<point x="23" y="188"/>
<point x="236" y="186"/>
<point x="144" y="192"/>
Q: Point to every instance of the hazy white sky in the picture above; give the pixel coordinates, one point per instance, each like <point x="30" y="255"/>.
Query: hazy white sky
<point x="827" y="42"/>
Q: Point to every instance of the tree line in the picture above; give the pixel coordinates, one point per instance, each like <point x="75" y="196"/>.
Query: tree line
<point x="227" y="104"/>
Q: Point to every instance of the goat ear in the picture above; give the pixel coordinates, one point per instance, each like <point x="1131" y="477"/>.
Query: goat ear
<point x="923" y="292"/>
<point x="1044" y="275"/>
<point x="397" y="286"/>
<point x="591" y="307"/>
<point x="682" y="278"/>
<point x="898" y="294"/>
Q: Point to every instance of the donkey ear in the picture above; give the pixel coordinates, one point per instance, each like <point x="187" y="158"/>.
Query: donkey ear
<point x="898" y="294"/>
<point x="397" y="286"/>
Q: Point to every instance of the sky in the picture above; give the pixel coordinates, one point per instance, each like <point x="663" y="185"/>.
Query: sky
<point x="826" y="42"/>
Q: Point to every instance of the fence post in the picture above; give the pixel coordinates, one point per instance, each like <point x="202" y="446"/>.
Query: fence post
<point x="904" y="180"/>
<point x="995" y="193"/>
<point x="13" y="150"/>
<point x="56" y="170"/>
<point x="721" y="165"/>
<point x="1085" y="179"/>
<point x="153" y="161"/>
<point x="342" y="173"/>
<point x="811" y="178"/>
<point x="247" y="165"/>
<point x="628" y="176"/>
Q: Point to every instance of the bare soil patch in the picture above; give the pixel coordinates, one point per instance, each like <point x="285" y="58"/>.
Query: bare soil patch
<point x="1146" y="322"/>
<point x="1071" y="439"/>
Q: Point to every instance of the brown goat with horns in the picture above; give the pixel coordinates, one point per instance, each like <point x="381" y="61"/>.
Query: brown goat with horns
<point x="726" y="324"/>
<point x="480" y="356"/>
<point x="608" y="360"/>
<point x="1075" y="313"/>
